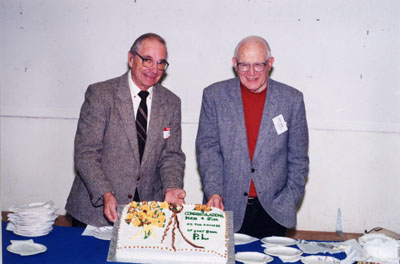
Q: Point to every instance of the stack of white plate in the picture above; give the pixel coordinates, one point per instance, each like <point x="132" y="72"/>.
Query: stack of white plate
<point x="32" y="220"/>
<point x="279" y="247"/>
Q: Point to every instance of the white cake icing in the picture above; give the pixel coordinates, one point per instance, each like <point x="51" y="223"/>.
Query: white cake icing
<point x="158" y="232"/>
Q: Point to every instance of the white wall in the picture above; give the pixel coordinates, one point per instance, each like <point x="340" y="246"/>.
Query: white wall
<point x="343" y="55"/>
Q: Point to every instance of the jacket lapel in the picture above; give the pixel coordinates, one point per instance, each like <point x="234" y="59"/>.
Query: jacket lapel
<point x="125" y="107"/>
<point x="155" y="126"/>
<point x="266" y="125"/>
<point x="235" y="97"/>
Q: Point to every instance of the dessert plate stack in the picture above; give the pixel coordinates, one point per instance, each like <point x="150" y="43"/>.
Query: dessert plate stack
<point x="32" y="220"/>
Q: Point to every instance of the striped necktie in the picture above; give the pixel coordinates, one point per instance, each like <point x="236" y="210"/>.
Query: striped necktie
<point x="141" y="122"/>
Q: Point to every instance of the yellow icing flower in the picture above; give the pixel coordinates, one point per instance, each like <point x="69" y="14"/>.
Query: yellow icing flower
<point x="147" y="215"/>
<point x="164" y="205"/>
<point x="141" y="215"/>
<point x="150" y="214"/>
<point x="136" y="222"/>
<point x="146" y="208"/>
<point x="205" y="207"/>
<point x="129" y="216"/>
<point x="154" y="221"/>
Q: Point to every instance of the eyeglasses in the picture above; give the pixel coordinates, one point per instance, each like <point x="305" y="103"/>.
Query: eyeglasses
<point x="162" y="65"/>
<point x="258" y="67"/>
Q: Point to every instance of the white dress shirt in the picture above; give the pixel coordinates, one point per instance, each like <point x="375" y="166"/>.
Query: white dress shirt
<point x="136" y="99"/>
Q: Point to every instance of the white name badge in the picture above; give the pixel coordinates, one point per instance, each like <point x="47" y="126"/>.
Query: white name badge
<point x="280" y="124"/>
<point x="166" y="133"/>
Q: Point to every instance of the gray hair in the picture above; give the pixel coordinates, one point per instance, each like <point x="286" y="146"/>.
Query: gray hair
<point x="252" y="39"/>
<point x="138" y="42"/>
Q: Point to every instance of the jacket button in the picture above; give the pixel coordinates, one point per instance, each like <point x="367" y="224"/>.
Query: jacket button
<point x="253" y="170"/>
<point x="245" y="194"/>
<point x="130" y="196"/>
<point x="138" y="178"/>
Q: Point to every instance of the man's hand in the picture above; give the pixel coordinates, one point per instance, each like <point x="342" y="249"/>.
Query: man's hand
<point x="175" y="195"/>
<point x="216" y="201"/>
<point x="110" y="206"/>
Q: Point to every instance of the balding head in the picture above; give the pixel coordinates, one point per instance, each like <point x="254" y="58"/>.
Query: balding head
<point x="254" y="41"/>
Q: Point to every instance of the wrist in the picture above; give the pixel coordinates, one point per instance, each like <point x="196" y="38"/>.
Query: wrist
<point x="108" y="195"/>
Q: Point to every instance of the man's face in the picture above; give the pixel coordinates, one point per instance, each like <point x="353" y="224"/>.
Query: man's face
<point x="144" y="77"/>
<point x="250" y="53"/>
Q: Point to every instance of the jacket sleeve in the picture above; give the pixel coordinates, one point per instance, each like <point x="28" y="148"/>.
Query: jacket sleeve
<point x="89" y="144"/>
<point x="208" y="150"/>
<point x="297" y="153"/>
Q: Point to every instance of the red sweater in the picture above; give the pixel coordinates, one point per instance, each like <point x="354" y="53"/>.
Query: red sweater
<point x="253" y="106"/>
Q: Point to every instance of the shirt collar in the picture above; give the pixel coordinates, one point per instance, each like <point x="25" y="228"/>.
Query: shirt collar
<point x="134" y="89"/>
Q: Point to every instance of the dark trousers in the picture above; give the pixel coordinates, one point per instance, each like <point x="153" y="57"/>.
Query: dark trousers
<point x="136" y="198"/>
<point x="77" y="223"/>
<point x="258" y="223"/>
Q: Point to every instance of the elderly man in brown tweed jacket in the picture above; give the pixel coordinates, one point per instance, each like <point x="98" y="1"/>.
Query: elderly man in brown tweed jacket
<point x="112" y="167"/>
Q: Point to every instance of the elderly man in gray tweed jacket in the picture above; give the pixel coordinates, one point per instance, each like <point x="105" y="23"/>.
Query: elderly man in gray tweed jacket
<point x="252" y="144"/>
<point x="128" y="147"/>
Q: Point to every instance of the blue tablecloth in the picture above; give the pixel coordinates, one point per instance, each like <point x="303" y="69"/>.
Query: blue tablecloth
<point x="67" y="245"/>
<point x="256" y="246"/>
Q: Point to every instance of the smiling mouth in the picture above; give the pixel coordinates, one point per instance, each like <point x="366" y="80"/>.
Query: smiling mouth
<point x="150" y="76"/>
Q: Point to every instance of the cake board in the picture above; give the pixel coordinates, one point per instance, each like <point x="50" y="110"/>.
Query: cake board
<point x="113" y="243"/>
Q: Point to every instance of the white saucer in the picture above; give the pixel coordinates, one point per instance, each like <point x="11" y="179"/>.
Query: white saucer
<point x="284" y="253"/>
<point x="35" y="207"/>
<point x="32" y="234"/>
<point x="104" y="232"/>
<point x="241" y="239"/>
<point x="250" y="257"/>
<point x="320" y="260"/>
<point x="278" y="241"/>
<point x="26" y="247"/>
<point x="368" y="237"/>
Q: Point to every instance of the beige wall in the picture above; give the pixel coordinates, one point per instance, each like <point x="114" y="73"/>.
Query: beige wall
<point x="343" y="55"/>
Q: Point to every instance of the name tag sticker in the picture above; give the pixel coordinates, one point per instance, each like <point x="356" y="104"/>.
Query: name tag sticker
<point x="280" y="124"/>
<point x="166" y="133"/>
